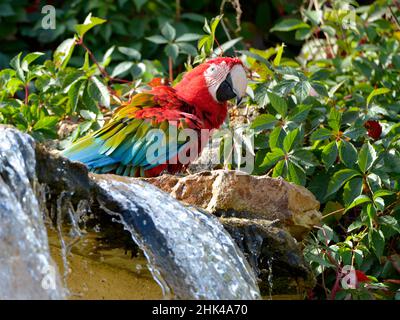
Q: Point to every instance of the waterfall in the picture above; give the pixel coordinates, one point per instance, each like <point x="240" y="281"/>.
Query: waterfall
<point x="189" y="252"/>
<point x="26" y="268"/>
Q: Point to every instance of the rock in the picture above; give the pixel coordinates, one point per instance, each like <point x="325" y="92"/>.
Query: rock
<point x="252" y="200"/>
<point x="61" y="174"/>
<point x="227" y="193"/>
<point x="274" y="254"/>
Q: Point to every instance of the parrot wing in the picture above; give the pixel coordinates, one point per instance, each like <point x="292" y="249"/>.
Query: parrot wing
<point x="128" y="143"/>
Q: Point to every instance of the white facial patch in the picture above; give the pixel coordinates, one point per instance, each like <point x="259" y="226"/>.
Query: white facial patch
<point x="239" y="80"/>
<point x="215" y="75"/>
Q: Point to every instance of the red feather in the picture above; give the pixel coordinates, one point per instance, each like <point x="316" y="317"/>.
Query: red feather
<point x="361" y="277"/>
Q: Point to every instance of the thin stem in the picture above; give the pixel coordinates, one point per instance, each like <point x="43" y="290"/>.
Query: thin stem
<point x="26" y="94"/>
<point x="171" y="71"/>
<point x="394" y="16"/>
<point x="103" y="71"/>
<point x="178" y="10"/>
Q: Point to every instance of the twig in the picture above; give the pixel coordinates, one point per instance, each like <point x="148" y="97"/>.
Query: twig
<point x="394" y="16"/>
<point x="178" y="10"/>
<point x="171" y="71"/>
<point x="102" y="70"/>
<point x="26" y="94"/>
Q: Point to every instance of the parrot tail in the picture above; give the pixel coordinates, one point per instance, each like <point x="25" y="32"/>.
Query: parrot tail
<point x="87" y="151"/>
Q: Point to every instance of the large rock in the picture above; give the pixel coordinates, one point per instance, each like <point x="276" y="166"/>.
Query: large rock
<point x="273" y="253"/>
<point x="228" y="193"/>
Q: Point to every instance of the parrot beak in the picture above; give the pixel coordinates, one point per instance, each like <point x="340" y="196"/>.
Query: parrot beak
<point x="239" y="82"/>
<point x="234" y="85"/>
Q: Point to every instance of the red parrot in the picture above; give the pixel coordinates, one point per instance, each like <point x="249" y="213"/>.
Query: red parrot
<point x="198" y="102"/>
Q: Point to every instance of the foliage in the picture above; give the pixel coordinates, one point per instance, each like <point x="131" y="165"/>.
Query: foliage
<point x="330" y="121"/>
<point x="38" y="98"/>
<point x="130" y="22"/>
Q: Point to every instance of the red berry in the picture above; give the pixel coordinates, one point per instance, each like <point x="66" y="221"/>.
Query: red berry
<point x="374" y="129"/>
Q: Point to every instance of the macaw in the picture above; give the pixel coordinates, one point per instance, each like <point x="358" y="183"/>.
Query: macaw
<point x="197" y="102"/>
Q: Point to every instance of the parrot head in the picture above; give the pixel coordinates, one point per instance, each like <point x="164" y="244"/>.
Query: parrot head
<point x="211" y="84"/>
<point x="219" y="79"/>
<point x="226" y="79"/>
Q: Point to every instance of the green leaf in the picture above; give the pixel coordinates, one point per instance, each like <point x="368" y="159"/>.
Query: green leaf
<point x="383" y="193"/>
<point x="168" y="32"/>
<point x="276" y="138"/>
<point x="334" y="119"/>
<point x="352" y="189"/>
<point x="304" y="157"/>
<point x="264" y="122"/>
<point x="187" y="37"/>
<point x="315" y="16"/>
<point x="377" y="92"/>
<point x="321" y="134"/>
<point x="214" y="23"/>
<point x="47" y="123"/>
<point x="355" y="225"/>
<point x="29" y="58"/>
<point x="225" y="46"/>
<point x="390" y="222"/>
<point x="279" y="169"/>
<point x="88" y="24"/>
<point x="88" y="115"/>
<point x="188" y="49"/>
<point x="130" y="52"/>
<point x="172" y="50"/>
<point x="15" y="63"/>
<point x="326" y="234"/>
<point x="339" y="179"/>
<point x="358" y="201"/>
<point x="139" y="4"/>
<point x="273" y="157"/>
<point x="329" y="154"/>
<point x="366" y="157"/>
<point x="302" y="90"/>
<point x="63" y="53"/>
<point x="278" y="103"/>
<point x="121" y="68"/>
<point x="378" y="242"/>
<point x="302" y="34"/>
<point x="103" y="90"/>
<point x="296" y="174"/>
<point x="300" y="113"/>
<point x="278" y="57"/>
<point x="157" y="39"/>
<point x="290" y="140"/>
<point x="74" y="92"/>
<point x="289" y="25"/>
<point x="347" y="153"/>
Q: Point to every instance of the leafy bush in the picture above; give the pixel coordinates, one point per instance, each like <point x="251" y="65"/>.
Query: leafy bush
<point x="330" y="121"/>
<point x="327" y="120"/>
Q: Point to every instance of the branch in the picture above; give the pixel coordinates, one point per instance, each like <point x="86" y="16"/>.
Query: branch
<point x="102" y="70"/>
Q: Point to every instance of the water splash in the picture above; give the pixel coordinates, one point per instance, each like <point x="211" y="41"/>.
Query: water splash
<point x="270" y="277"/>
<point x="26" y="269"/>
<point x="188" y="251"/>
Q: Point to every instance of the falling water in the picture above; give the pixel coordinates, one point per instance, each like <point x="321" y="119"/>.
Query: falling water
<point x="189" y="251"/>
<point x="26" y="269"/>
